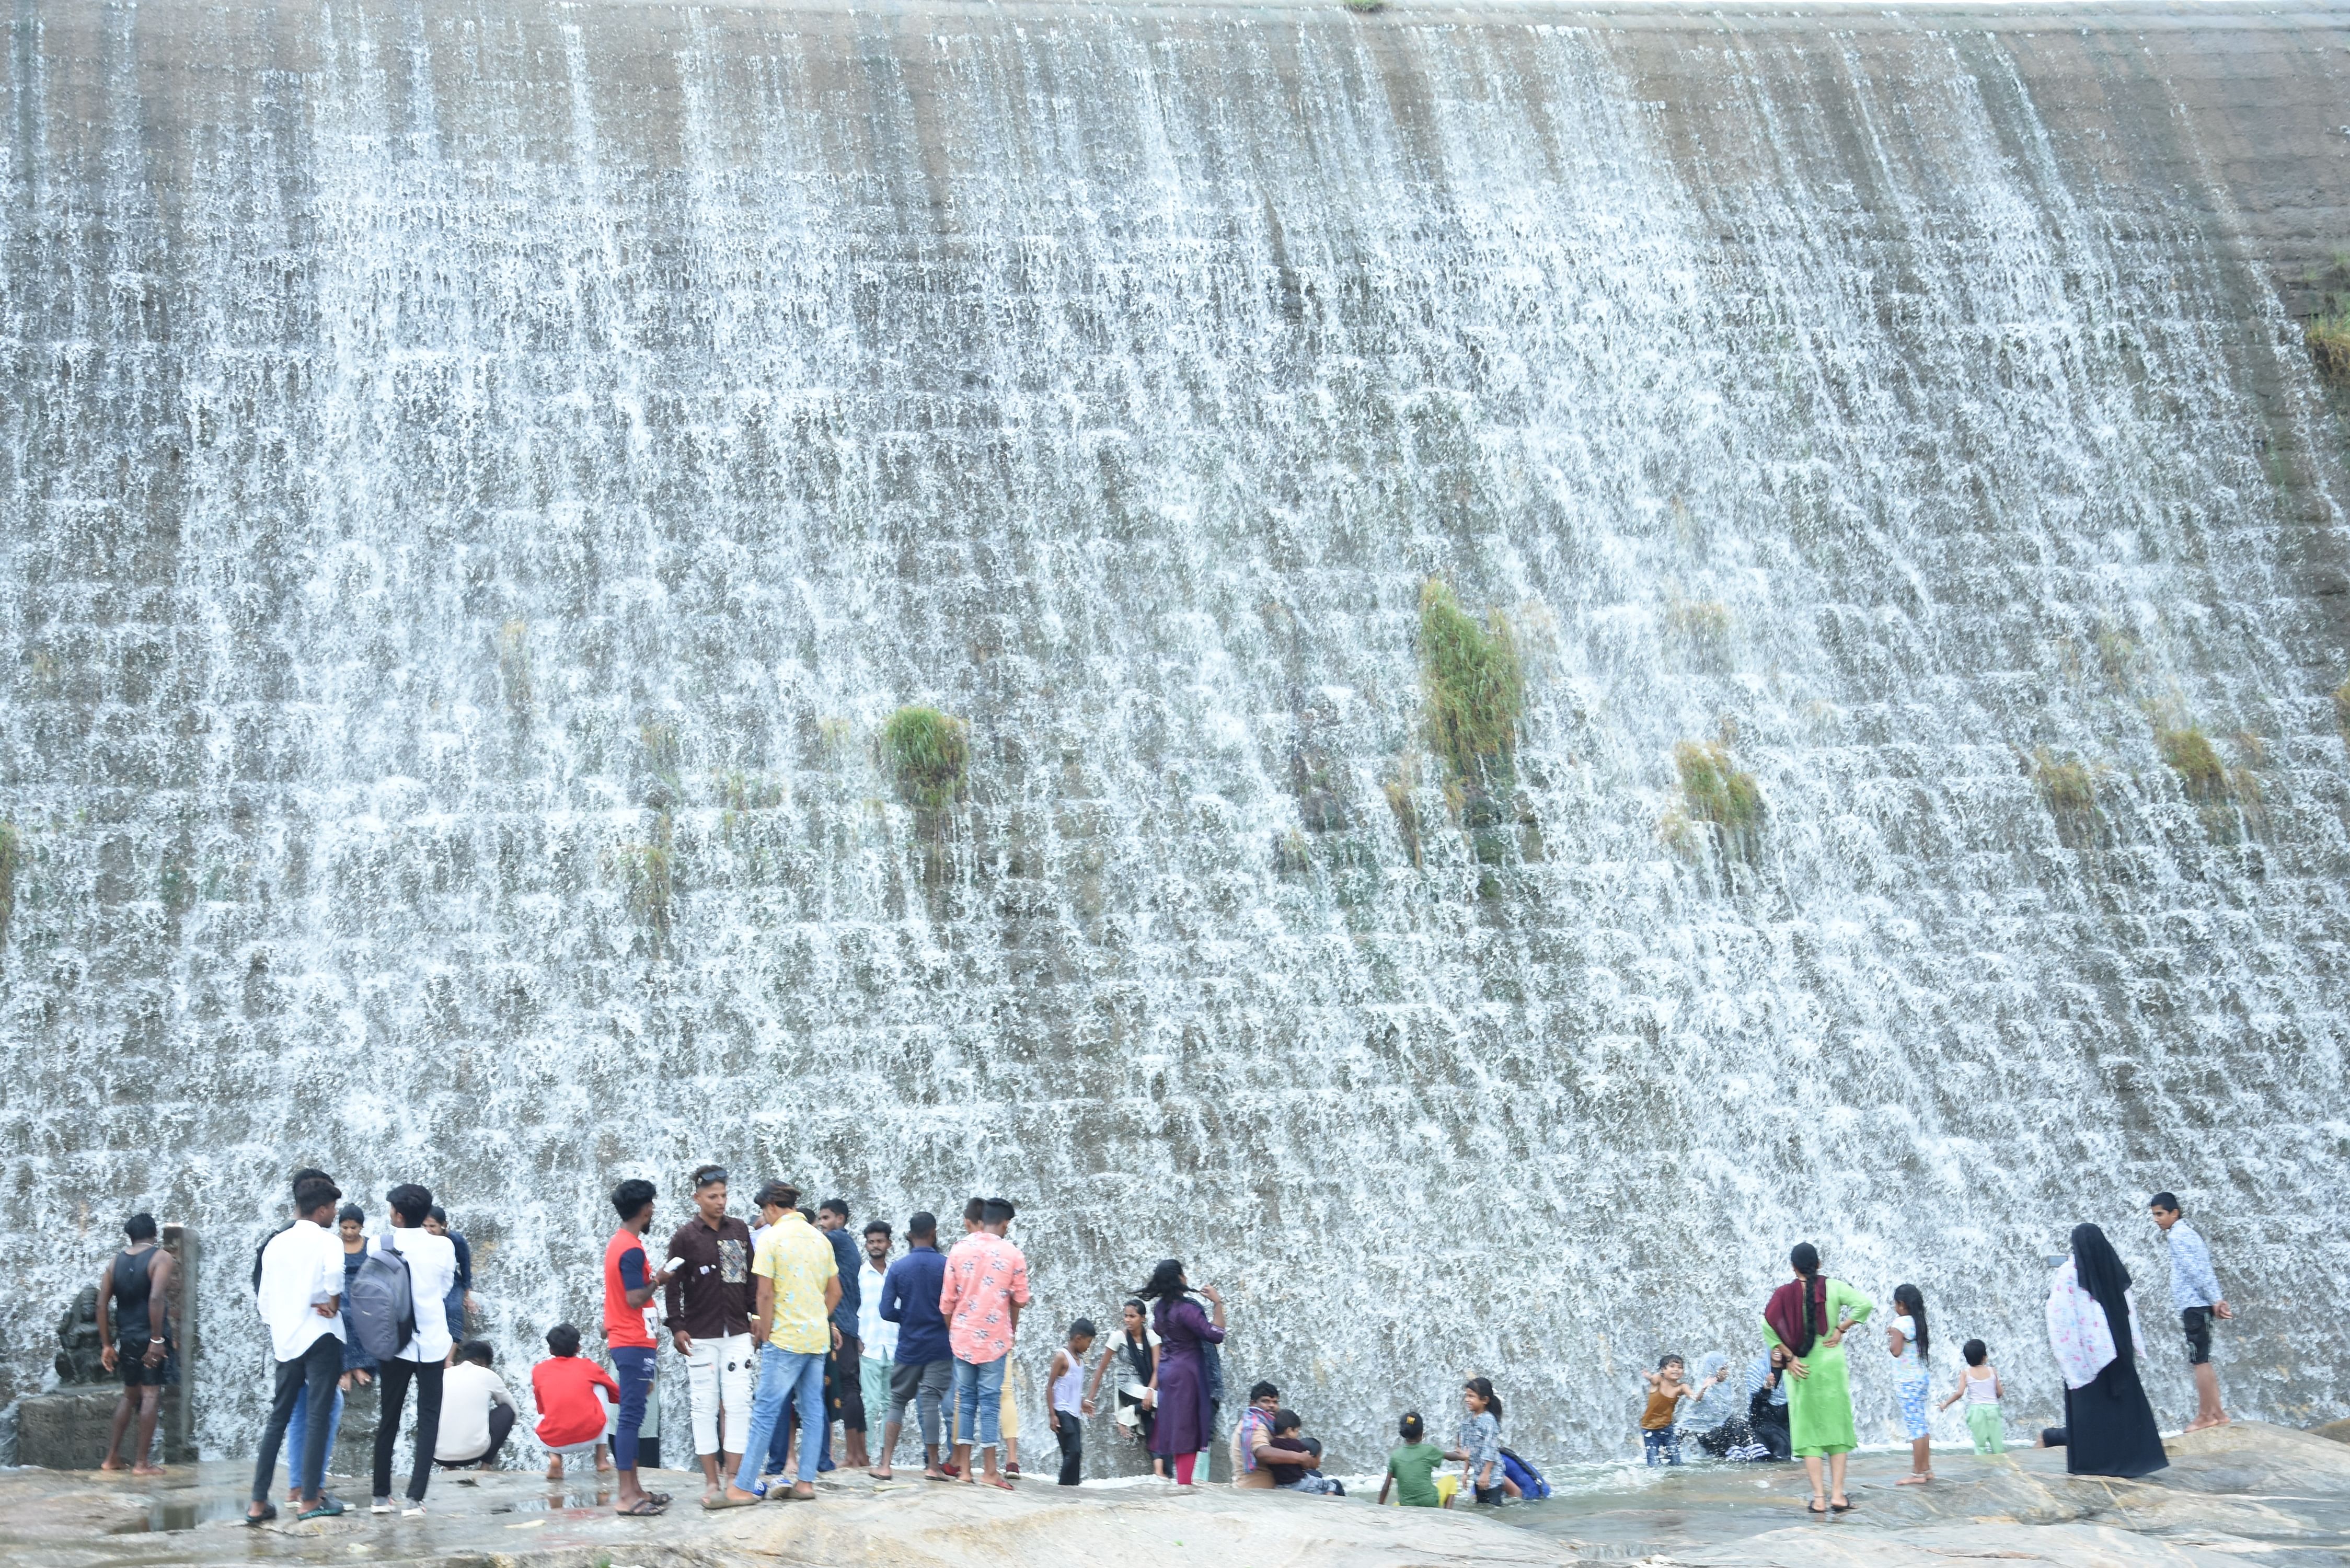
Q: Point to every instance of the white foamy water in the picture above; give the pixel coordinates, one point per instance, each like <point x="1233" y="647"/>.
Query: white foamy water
<point x="448" y="441"/>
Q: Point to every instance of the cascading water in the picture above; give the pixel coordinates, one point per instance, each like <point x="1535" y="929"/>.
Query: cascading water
<point x="481" y="476"/>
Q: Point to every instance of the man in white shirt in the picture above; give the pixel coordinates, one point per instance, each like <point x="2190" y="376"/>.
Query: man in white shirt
<point x="300" y="1295"/>
<point x="476" y="1412"/>
<point x="432" y="1270"/>
<point x="877" y="1336"/>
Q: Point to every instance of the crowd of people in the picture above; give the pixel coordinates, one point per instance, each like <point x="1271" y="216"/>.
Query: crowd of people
<point x="790" y="1327"/>
<point x="1797" y="1395"/>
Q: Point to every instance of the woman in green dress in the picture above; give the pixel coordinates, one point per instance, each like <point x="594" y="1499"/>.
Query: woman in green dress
<point x="1809" y="1315"/>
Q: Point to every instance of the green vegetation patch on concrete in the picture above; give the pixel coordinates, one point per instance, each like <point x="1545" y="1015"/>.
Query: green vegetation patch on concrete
<point x="1474" y="686"/>
<point x="928" y="754"/>
<point x="2189" y="752"/>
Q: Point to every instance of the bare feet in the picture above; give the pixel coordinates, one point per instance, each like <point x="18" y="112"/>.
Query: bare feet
<point x="1915" y="1479"/>
<point x="146" y="1470"/>
<point x="111" y="1463"/>
<point x="804" y="1492"/>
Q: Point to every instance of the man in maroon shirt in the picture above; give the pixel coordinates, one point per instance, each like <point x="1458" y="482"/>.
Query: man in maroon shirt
<point x="709" y="1299"/>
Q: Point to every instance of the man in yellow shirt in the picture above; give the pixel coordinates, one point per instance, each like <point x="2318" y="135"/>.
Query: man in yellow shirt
<point x="799" y="1285"/>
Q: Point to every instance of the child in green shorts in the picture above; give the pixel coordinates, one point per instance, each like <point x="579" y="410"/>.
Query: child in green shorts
<point x="1979" y="1385"/>
<point x="1411" y="1468"/>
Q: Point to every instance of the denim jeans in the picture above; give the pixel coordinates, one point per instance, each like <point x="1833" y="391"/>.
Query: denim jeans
<point x="928" y="1386"/>
<point x="791" y="1377"/>
<point x="978" y="1401"/>
<point x="632" y="1369"/>
<point x="1663" y="1441"/>
<point x="309" y="1378"/>
<point x="296" y="1428"/>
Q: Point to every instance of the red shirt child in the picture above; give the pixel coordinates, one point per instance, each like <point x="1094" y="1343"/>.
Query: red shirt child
<point x="568" y="1411"/>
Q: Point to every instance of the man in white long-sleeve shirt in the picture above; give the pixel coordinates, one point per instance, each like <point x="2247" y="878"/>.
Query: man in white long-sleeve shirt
<point x="2195" y="1292"/>
<point x="431" y="1271"/>
<point x="300" y="1295"/>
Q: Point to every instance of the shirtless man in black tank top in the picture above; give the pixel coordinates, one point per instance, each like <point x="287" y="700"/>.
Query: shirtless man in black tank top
<point x="138" y="1281"/>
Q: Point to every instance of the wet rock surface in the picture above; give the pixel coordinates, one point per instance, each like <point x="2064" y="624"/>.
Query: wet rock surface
<point x="2243" y="1493"/>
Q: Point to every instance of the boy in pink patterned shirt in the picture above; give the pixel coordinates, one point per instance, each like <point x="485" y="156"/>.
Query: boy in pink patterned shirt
<point x="987" y="1285"/>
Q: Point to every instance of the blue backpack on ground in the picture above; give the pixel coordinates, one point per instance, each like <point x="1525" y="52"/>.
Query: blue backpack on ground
<point x="1530" y="1479"/>
<point x="381" y="1305"/>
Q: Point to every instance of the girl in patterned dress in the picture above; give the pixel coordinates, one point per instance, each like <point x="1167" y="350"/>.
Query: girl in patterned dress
<point x="1908" y="1338"/>
<point x="1478" y="1443"/>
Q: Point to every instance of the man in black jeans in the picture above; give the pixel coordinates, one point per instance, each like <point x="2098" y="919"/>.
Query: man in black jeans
<point x="431" y="1274"/>
<point x="300" y="1297"/>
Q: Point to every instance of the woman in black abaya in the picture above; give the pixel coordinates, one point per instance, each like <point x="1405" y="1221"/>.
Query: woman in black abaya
<point x="2093" y="1329"/>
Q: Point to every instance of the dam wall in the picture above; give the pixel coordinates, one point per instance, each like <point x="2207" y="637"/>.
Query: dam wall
<point x="481" y="475"/>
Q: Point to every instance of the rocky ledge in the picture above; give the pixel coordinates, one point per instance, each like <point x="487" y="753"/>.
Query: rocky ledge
<point x="2238" y="1494"/>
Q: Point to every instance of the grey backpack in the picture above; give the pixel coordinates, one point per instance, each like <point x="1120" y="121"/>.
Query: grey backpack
<point x="382" y="1304"/>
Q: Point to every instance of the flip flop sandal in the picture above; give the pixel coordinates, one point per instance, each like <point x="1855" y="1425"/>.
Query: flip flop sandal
<point x="661" y="1498"/>
<point x="268" y="1512"/>
<point x="1839" y="1508"/>
<point x="329" y="1507"/>
<point x="948" y="1481"/>
<point x="1815" y="1508"/>
<point x="643" y="1508"/>
<point x="1006" y="1485"/>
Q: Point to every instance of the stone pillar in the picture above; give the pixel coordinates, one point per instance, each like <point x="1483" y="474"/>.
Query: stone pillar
<point x="176" y="1423"/>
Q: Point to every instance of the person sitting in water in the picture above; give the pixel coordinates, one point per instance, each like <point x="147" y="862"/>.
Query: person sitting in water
<point x="1716" y="1417"/>
<point x="1412" y="1466"/>
<point x="1288" y="1436"/>
<point x="1767" y="1405"/>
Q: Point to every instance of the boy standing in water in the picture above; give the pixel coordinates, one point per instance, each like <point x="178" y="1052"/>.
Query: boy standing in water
<point x="2195" y="1292"/>
<point x="1665" y="1391"/>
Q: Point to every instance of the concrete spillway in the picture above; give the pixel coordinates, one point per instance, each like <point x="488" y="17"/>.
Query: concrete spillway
<point x="480" y="475"/>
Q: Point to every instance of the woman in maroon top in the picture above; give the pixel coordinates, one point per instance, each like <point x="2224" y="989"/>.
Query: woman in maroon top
<point x="1181" y="1431"/>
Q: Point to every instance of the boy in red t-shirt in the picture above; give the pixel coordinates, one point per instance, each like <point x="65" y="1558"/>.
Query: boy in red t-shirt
<point x="570" y="1414"/>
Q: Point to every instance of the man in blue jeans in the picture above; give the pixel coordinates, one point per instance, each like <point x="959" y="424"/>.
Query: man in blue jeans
<point x="798" y="1286"/>
<point x="985" y="1286"/>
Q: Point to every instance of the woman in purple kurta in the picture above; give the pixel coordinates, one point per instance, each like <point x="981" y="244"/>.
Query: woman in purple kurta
<point x="1181" y="1430"/>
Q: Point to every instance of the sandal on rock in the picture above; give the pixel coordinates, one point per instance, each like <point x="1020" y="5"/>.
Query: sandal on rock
<point x="643" y="1508"/>
<point x="268" y="1512"/>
